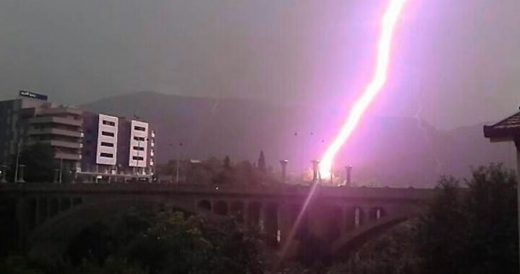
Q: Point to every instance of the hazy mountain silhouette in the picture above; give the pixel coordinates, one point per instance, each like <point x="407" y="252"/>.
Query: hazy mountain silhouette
<point x="384" y="150"/>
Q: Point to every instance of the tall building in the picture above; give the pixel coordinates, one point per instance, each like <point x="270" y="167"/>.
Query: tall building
<point x="117" y="149"/>
<point x="94" y="147"/>
<point x="31" y="119"/>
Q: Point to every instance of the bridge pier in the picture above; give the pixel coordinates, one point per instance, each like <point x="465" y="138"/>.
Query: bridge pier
<point x="254" y="214"/>
<point x="271" y="228"/>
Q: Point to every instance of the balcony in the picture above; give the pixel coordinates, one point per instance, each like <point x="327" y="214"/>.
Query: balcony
<point x="58" y="143"/>
<point x="67" y="156"/>
<point x="57" y="120"/>
<point x="64" y="144"/>
<point x="56" y="131"/>
<point x="62" y="110"/>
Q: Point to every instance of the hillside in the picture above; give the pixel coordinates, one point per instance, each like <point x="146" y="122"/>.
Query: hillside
<point x="384" y="150"/>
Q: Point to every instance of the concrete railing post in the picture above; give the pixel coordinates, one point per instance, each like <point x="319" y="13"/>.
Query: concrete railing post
<point x="348" y="175"/>
<point x="315" y="171"/>
<point x="283" y="164"/>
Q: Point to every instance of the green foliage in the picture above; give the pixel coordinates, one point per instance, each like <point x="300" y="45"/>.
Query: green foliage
<point x="168" y="243"/>
<point x="472" y="230"/>
<point x="220" y="172"/>
<point x="18" y="265"/>
<point x="110" y="266"/>
<point x="392" y="253"/>
<point x="175" y="244"/>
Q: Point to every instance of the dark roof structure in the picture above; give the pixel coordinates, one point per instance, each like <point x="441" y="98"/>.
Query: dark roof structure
<point x="505" y="130"/>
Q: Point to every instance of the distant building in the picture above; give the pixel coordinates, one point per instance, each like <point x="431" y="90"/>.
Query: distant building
<point x="93" y="146"/>
<point x="117" y="149"/>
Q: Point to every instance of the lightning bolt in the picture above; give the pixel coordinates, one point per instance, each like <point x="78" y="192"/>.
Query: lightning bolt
<point x="378" y="81"/>
<point x="388" y="24"/>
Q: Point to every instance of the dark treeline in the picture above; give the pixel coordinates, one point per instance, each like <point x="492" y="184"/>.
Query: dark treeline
<point x="469" y="227"/>
<point x="219" y="172"/>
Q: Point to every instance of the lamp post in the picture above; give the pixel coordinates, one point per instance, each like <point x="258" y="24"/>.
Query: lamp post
<point x="3" y="174"/>
<point x="283" y="164"/>
<point x="178" y="163"/>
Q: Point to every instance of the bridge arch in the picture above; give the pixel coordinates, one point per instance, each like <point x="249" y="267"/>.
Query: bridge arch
<point x="353" y="240"/>
<point x="220" y="208"/>
<point x="204" y="206"/>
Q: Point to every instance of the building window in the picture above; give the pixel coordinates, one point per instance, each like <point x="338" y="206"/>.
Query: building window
<point x="105" y="144"/>
<point x="139" y="128"/>
<point x="109" y="123"/>
<point x="106" y="133"/>
<point x="107" y="155"/>
<point x="139" y="148"/>
<point x="138" y="138"/>
<point x="137" y="158"/>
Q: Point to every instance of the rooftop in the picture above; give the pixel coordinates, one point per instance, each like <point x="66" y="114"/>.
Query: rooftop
<point x="505" y="130"/>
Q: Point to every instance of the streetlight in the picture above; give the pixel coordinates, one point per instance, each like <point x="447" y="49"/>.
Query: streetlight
<point x="283" y="164"/>
<point x="178" y="163"/>
<point x="3" y="174"/>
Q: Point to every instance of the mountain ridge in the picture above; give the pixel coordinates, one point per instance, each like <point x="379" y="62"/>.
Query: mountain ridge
<point x="393" y="151"/>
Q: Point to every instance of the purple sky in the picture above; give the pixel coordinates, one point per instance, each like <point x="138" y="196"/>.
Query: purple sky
<point x="455" y="62"/>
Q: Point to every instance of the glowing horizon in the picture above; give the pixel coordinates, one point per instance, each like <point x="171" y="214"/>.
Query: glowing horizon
<point x="378" y="81"/>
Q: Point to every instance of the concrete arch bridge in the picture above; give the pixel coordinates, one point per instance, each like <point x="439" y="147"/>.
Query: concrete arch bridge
<point x="44" y="215"/>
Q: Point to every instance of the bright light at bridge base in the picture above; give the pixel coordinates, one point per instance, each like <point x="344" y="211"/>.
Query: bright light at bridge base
<point x="378" y="81"/>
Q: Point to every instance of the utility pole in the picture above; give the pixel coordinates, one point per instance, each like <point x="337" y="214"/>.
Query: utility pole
<point x="17" y="161"/>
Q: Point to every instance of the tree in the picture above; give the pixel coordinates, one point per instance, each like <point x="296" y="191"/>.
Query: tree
<point x="392" y="253"/>
<point x="39" y="163"/>
<point x="261" y="162"/>
<point x="472" y="230"/>
<point x="166" y="243"/>
<point x="442" y="229"/>
<point x="227" y="163"/>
